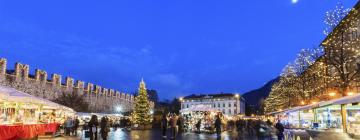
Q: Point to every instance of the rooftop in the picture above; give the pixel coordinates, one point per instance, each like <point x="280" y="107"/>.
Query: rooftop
<point x="218" y="95"/>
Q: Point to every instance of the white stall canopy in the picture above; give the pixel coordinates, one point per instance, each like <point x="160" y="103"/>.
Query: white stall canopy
<point x="8" y="94"/>
<point x="199" y="108"/>
<point x="344" y="100"/>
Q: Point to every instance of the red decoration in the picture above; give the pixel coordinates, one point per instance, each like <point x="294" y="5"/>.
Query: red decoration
<point x="13" y="132"/>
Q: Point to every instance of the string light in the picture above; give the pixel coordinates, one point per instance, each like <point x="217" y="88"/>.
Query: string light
<point x="317" y="71"/>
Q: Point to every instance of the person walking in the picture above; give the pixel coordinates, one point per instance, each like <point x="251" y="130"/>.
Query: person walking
<point x="76" y="125"/>
<point x="93" y="124"/>
<point x="164" y="125"/>
<point x="105" y="127"/>
<point x="198" y="125"/>
<point x="180" y="123"/>
<point x="218" y="125"/>
<point x="239" y="126"/>
<point x="249" y="127"/>
<point x="68" y="126"/>
<point x="173" y="122"/>
<point x="280" y="130"/>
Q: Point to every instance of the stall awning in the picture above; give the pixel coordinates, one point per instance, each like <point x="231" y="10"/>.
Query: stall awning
<point x="199" y="108"/>
<point x="12" y="95"/>
<point x="344" y="100"/>
<point x="298" y="108"/>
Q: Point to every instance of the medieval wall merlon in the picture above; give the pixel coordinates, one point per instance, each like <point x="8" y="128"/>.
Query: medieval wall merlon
<point x="80" y="84"/>
<point x="21" y="71"/>
<point x="89" y="87"/>
<point x="56" y="80"/>
<point x="105" y="92"/>
<point x="40" y="76"/>
<point x="131" y="97"/>
<point x="118" y="94"/>
<point x="97" y="89"/>
<point x="69" y="82"/>
<point x="123" y="96"/>
<point x="3" y="65"/>
<point x="112" y="93"/>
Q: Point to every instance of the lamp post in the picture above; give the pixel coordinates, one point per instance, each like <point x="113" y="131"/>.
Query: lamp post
<point x="181" y="99"/>
<point x="237" y="103"/>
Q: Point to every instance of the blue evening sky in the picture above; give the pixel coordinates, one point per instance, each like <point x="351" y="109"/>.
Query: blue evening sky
<point x="179" y="47"/>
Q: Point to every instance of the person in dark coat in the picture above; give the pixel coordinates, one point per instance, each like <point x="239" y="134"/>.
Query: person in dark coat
<point x="164" y="125"/>
<point x="76" y="125"/>
<point x="280" y="130"/>
<point x="198" y="124"/>
<point x="218" y="125"/>
<point x="93" y="125"/>
<point x="105" y="127"/>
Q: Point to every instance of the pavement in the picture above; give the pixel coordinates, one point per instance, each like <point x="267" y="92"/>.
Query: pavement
<point x="155" y="134"/>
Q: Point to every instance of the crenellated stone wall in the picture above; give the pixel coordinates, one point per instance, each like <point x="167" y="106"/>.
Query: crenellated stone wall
<point x="100" y="99"/>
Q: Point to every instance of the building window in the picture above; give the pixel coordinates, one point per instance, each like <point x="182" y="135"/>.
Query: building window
<point x="229" y="111"/>
<point x="235" y="104"/>
<point x="218" y="104"/>
<point x="229" y="104"/>
<point x="187" y="106"/>
<point x="214" y="105"/>
<point x="235" y="111"/>
<point x="223" y="104"/>
<point x="223" y="111"/>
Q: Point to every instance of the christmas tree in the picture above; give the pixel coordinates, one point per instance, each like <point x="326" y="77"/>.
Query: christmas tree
<point x="141" y="114"/>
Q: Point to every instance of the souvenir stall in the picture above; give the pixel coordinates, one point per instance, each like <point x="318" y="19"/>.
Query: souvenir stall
<point x="334" y="116"/>
<point x="200" y="113"/>
<point x="26" y="116"/>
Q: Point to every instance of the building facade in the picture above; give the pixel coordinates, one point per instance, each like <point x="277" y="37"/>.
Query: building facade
<point x="228" y="104"/>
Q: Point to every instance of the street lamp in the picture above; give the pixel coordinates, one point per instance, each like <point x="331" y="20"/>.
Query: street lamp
<point x="237" y="103"/>
<point x="350" y="93"/>
<point x="118" y="109"/>
<point x="302" y="103"/>
<point x="332" y="94"/>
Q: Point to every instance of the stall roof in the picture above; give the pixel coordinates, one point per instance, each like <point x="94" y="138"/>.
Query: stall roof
<point x="344" y="100"/>
<point x="13" y="95"/>
<point x="306" y="107"/>
<point x="198" y="108"/>
<point x="97" y="114"/>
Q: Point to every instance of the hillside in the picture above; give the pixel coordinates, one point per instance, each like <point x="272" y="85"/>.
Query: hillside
<point x="253" y="97"/>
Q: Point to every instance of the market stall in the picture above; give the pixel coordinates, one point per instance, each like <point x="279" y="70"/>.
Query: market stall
<point x="335" y="116"/>
<point x="200" y="114"/>
<point x="26" y="116"/>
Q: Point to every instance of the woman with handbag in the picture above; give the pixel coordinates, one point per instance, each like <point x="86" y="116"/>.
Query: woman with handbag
<point x="93" y="124"/>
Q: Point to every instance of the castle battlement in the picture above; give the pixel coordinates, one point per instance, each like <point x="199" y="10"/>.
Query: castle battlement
<point x="100" y="98"/>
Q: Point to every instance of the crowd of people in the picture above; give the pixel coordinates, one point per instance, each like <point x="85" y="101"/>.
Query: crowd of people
<point x="259" y="128"/>
<point x="174" y="124"/>
<point x="94" y="125"/>
<point x="251" y="127"/>
<point x="71" y="125"/>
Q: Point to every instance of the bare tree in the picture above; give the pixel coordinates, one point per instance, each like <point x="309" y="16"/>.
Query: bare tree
<point x="341" y="48"/>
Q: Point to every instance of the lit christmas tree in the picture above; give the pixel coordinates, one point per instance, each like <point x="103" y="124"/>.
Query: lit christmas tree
<point x="141" y="114"/>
